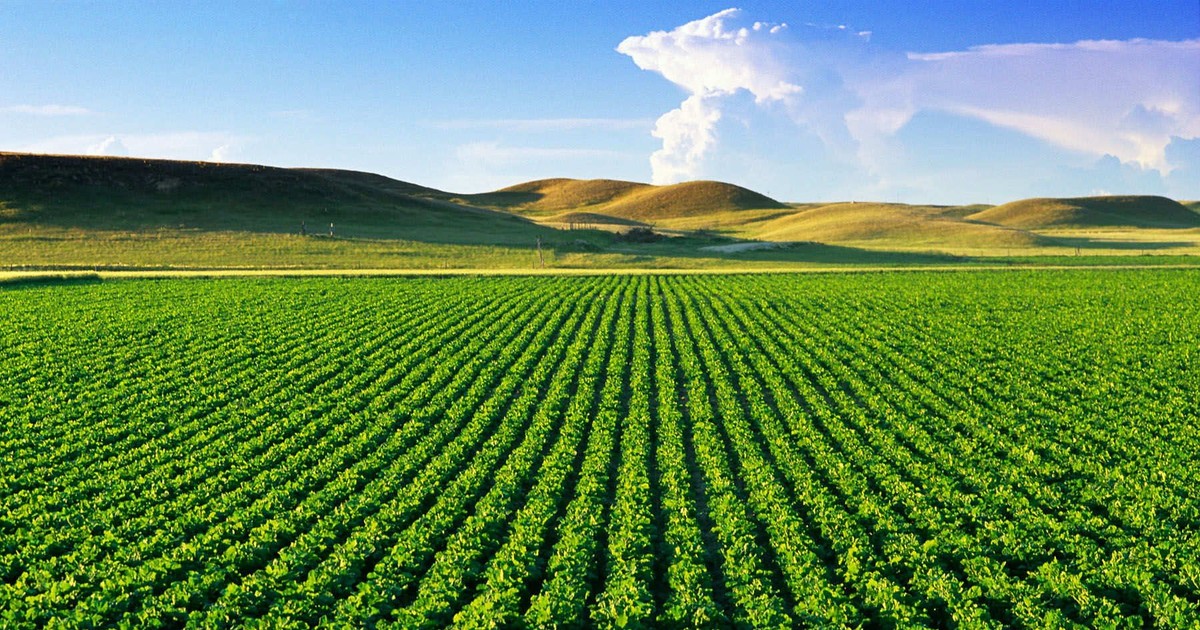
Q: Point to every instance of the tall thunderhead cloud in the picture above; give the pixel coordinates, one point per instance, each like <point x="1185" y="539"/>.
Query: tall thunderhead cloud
<point x="710" y="60"/>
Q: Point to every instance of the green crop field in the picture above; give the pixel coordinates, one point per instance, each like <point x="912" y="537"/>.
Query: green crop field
<point x="903" y="449"/>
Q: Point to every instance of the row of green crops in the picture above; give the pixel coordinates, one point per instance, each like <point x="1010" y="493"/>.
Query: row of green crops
<point x="976" y="449"/>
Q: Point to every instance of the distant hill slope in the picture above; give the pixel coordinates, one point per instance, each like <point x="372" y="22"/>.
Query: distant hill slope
<point x="85" y="211"/>
<point x="890" y="222"/>
<point x="553" y="195"/>
<point x="375" y="182"/>
<point x="131" y="193"/>
<point x="625" y="200"/>
<point x="1113" y="211"/>
<point x="688" y="199"/>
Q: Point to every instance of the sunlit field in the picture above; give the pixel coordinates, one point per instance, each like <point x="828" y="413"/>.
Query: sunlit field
<point x="979" y="449"/>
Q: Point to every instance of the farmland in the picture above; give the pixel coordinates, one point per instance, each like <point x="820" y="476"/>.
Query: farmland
<point x="904" y="449"/>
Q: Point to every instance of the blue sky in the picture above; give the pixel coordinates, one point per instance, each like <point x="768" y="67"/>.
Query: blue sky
<point x="940" y="102"/>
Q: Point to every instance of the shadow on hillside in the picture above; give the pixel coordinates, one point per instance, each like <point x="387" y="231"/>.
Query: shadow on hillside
<point x="502" y="198"/>
<point x="127" y="195"/>
<point x="116" y="197"/>
<point x="1085" y="242"/>
<point x="429" y="221"/>
<point x="814" y="253"/>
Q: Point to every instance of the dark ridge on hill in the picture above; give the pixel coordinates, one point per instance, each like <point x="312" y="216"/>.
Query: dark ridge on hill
<point x="134" y="193"/>
<point x="1110" y="211"/>
<point x="592" y="218"/>
<point x="51" y="174"/>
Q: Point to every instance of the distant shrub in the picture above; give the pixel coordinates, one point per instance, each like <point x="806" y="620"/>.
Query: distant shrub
<point x="640" y="235"/>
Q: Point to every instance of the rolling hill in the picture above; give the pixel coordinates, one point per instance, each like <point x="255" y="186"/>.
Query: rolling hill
<point x="1082" y="212"/>
<point x="625" y="200"/>
<point x="926" y="226"/>
<point x="132" y="193"/>
<point x="70" y="212"/>
<point x="555" y="195"/>
<point x="106" y="193"/>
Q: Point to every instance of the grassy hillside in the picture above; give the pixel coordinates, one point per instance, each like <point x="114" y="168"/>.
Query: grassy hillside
<point x="73" y="212"/>
<point x="553" y="195"/>
<point x="894" y="223"/>
<point x="688" y="199"/>
<point x="100" y="212"/>
<point x="102" y="193"/>
<point x="1112" y="211"/>
<point x="625" y="200"/>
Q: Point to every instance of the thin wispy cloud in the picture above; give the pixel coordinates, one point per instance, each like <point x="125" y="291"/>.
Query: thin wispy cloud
<point x="299" y="115"/>
<point x="496" y="154"/>
<point x="182" y="145"/>
<point x="544" y="124"/>
<point x="46" y="110"/>
<point x="1128" y="99"/>
<point x="490" y="165"/>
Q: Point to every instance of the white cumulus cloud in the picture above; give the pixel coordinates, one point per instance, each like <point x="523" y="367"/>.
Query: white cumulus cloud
<point x="1128" y="99"/>
<point x="687" y="133"/>
<point x="111" y="145"/>
<point x="710" y="58"/>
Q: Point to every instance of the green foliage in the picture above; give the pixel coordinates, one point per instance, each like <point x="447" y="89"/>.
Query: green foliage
<point x="974" y="449"/>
